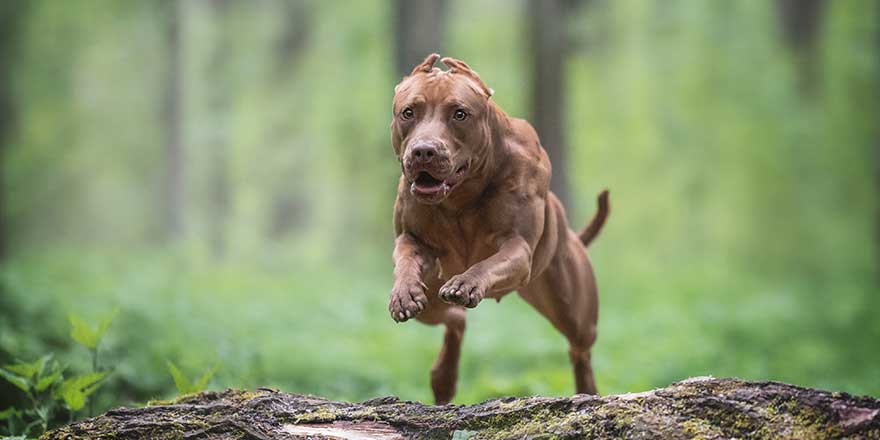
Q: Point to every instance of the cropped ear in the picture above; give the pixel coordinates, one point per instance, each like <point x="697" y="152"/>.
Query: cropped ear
<point x="459" y="66"/>
<point x="426" y="65"/>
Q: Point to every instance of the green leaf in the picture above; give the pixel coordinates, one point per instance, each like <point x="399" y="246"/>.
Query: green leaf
<point x="202" y="383"/>
<point x="22" y="369"/>
<point x="8" y="413"/>
<point x="20" y="382"/>
<point x="76" y="390"/>
<point x="29" y="370"/>
<point x="104" y="324"/>
<point x="82" y="332"/>
<point x="180" y="380"/>
<point x="40" y="364"/>
<point x="47" y="381"/>
<point x="184" y="385"/>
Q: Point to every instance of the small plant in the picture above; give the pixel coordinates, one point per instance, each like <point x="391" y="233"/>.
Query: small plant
<point x="184" y="384"/>
<point x="90" y="338"/>
<point x="48" y="394"/>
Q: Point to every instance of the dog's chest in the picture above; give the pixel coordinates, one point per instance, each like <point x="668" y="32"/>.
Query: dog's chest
<point x="462" y="242"/>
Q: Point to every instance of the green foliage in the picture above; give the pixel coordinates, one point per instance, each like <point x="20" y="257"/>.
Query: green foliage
<point x="19" y="382"/>
<point x="76" y="390"/>
<point x="88" y="336"/>
<point x="33" y="377"/>
<point x="184" y="384"/>
<point x="48" y="393"/>
<point x="39" y="381"/>
<point x="8" y="413"/>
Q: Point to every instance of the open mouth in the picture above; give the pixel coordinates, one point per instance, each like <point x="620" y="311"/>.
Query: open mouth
<point x="428" y="185"/>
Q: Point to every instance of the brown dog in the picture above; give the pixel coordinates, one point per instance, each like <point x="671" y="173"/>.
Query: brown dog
<point x="475" y="219"/>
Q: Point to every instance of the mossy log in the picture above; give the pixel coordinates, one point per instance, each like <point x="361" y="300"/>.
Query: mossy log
<point x="704" y="408"/>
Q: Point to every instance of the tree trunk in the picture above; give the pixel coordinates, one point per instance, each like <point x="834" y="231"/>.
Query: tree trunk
<point x="12" y="14"/>
<point x="287" y="208"/>
<point x="175" y="188"/>
<point x="298" y="25"/>
<point x="697" y="408"/>
<point x="549" y="49"/>
<point x="219" y="191"/>
<point x="801" y="25"/>
<point x="418" y="31"/>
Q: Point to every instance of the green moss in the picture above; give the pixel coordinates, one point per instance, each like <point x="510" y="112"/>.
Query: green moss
<point x="322" y="414"/>
<point x="234" y="396"/>
<point x="700" y="429"/>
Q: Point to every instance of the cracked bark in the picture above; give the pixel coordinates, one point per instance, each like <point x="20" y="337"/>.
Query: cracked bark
<point x="697" y="408"/>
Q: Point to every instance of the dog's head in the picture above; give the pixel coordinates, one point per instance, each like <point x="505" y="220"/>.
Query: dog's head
<point x="441" y="129"/>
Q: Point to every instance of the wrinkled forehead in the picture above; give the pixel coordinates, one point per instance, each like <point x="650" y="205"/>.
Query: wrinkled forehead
<point x="436" y="87"/>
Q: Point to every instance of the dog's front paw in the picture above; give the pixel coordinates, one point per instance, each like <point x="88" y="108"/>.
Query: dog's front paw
<point x="463" y="290"/>
<point x="408" y="299"/>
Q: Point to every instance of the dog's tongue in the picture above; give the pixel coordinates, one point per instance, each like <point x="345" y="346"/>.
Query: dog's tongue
<point x="429" y="188"/>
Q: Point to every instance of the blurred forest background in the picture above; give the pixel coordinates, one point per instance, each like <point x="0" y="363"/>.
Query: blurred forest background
<point x="220" y="172"/>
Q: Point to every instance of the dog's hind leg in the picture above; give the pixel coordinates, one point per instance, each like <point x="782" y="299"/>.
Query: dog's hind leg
<point x="584" y="381"/>
<point x="565" y="293"/>
<point x="444" y="373"/>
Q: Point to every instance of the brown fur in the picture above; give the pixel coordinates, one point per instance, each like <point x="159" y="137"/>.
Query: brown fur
<point x="491" y="227"/>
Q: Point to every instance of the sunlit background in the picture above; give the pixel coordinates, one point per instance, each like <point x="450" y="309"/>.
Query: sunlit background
<point x="220" y="172"/>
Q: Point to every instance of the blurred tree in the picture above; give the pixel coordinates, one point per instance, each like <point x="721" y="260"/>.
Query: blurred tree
<point x="287" y="206"/>
<point x="294" y="36"/>
<point x="549" y="48"/>
<point x="175" y="188"/>
<point x="419" y="26"/>
<point x="801" y="25"/>
<point x="218" y="148"/>
<point x="12" y="14"/>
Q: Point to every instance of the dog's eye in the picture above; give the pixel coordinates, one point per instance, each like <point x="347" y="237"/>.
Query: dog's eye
<point x="407" y="113"/>
<point x="460" y="115"/>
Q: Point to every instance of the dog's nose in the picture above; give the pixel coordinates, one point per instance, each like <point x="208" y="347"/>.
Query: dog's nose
<point x="424" y="152"/>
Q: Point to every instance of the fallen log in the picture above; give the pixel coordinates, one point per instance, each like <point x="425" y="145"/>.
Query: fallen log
<point x="704" y="408"/>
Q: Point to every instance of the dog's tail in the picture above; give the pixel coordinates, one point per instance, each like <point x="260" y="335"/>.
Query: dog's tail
<point x="592" y="230"/>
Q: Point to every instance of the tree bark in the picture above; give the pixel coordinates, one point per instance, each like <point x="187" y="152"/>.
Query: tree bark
<point x="549" y="49"/>
<point x="702" y="407"/>
<point x="175" y="179"/>
<point x="418" y="31"/>
<point x="12" y="14"/>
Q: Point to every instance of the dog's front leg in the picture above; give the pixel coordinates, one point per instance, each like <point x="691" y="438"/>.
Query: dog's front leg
<point x="507" y="269"/>
<point x="408" y="294"/>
